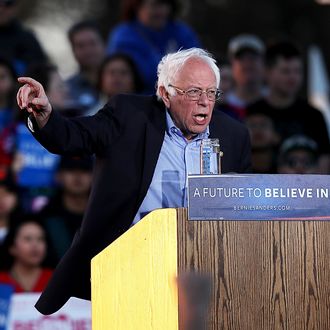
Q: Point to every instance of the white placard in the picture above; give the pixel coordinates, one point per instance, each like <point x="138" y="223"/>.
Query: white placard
<point x="74" y="315"/>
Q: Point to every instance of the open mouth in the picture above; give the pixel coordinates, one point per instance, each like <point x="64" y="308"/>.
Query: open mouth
<point x="201" y="118"/>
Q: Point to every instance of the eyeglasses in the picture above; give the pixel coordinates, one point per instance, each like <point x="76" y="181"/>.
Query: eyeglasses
<point x="195" y="93"/>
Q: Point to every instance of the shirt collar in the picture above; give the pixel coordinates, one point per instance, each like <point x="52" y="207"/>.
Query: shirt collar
<point x="171" y="129"/>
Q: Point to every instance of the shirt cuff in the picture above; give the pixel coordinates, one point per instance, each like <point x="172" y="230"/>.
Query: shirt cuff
<point x="30" y="125"/>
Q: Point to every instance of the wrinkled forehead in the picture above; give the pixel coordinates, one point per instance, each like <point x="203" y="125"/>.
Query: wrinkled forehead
<point x="195" y="70"/>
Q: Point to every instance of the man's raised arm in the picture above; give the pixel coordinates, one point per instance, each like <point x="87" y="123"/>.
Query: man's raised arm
<point x="60" y="135"/>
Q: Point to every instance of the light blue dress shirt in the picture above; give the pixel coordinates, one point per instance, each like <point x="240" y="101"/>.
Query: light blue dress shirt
<point x="177" y="159"/>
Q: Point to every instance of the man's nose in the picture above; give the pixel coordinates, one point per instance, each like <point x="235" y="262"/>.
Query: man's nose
<point x="203" y="99"/>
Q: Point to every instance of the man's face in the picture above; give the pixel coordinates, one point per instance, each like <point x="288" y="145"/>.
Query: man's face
<point x="7" y="82"/>
<point x="8" y="201"/>
<point x="57" y="91"/>
<point x="285" y="77"/>
<point x="262" y="131"/>
<point x="248" y="68"/>
<point x="117" y="77"/>
<point x="8" y="11"/>
<point x="88" y="48"/>
<point x="192" y="117"/>
<point x="299" y="161"/>
<point x="75" y="181"/>
<point x="154" y="13"/>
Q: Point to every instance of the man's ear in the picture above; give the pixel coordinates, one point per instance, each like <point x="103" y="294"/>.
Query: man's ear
<point x="165" y="96"/>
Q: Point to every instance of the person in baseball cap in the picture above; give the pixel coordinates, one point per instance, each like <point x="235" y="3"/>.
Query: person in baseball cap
<point x="298" y="154"/>
<point x="245" y="43"/>
<point x="246" y="55"/>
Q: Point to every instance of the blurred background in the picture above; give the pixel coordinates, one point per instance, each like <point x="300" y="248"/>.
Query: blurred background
<point x="215" y="21"/>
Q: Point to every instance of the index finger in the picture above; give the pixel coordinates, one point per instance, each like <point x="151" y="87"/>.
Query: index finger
<point x="27" y="80"/>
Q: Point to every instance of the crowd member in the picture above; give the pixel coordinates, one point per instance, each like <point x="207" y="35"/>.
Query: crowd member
<point x="118" y="74"/>
<point x="227" y="80"/>
<point x="148" y="32"/>
<point x="23" y="254"/>
<point x="8" y="204"/>
<point x="290" y="113"/>
<point x="227" y="85"/>
<point x="63" y="214"/>
<point x="246" y="55"/>
<point x="298" y="155"/>
<point x="264" y="142"/>
<point x="7" y="93"/>
<point x="17" y="43"/>
<point x="57" y="90"/>
<point x="137" y="140"/>
<point x="89" y="50"/>
<point x="8" y="89"/>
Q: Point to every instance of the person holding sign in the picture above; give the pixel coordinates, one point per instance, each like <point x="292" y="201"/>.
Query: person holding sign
<point x="145" y="147"/>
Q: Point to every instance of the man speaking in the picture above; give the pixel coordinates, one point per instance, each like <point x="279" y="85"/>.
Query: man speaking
<point x="139" y="143"/>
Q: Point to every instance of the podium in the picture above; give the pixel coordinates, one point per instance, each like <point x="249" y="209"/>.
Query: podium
<point x="263" y="274"/>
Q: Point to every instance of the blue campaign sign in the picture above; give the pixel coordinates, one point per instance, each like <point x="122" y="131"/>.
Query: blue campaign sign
<point x="38" y="164"/>
<point x="5" y="294"/>
<point x="259" y="197"/>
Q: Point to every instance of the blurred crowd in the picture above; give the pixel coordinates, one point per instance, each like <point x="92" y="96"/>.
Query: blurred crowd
<point x="43" y="196"/>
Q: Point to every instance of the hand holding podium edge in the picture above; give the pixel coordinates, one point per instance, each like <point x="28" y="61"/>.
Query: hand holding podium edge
<point x="32" y="98"/>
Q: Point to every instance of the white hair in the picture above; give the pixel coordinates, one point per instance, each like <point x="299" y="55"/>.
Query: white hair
<point x="171" y="64"/>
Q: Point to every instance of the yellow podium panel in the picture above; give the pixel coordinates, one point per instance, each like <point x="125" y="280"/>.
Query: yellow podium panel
<point x="134" y="278"/>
